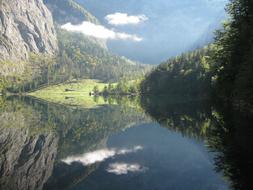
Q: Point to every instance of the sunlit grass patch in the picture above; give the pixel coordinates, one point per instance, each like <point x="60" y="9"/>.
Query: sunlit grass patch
<point x="74" y="93"/>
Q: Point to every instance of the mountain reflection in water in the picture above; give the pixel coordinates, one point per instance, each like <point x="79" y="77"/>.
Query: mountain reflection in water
<point x="159" y="144"/>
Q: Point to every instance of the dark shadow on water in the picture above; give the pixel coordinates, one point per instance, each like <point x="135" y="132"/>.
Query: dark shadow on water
<point x="228" y="133"/>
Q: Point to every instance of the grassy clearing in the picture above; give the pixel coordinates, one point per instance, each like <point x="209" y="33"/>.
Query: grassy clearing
<point x="75" y="93"/>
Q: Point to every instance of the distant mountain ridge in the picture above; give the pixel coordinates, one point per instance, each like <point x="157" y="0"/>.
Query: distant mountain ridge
<point x="172" y="28"/>
<point x="65" y="11"/>
<point x="69" y="11"/>
<point x="208" y="35"/>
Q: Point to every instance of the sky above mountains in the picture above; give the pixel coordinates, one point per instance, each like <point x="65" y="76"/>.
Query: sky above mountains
<point x="151" y="31"/>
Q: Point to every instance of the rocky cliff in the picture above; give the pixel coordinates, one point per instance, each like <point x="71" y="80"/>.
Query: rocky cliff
<point x="25" y="26"/>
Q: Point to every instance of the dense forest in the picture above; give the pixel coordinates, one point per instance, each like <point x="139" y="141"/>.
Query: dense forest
<point x="224" y="68"/>
<point x="234" y="53"/>
<point x="187" y="74"/>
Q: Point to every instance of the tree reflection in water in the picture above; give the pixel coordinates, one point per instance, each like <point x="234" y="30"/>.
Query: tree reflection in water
<point x="227" y="133"/>
<point x="37" y="136"/>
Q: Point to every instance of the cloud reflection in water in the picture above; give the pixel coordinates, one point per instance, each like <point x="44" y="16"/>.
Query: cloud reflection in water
<point x="124" y="168"/>
<point x="99" y="155"/>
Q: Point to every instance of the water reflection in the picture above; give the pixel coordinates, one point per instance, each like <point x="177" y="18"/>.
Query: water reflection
<point x="166" y="144"/>
<point x="227" y="133"/>
<point x="231" y="139"/>
<point x="27" y="148"/>
<point x="99" y="155"/>
<point x="124" y="168"/>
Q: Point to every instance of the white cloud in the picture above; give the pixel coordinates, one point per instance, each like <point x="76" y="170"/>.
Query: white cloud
<point x="99" y="31"/>
<point x="125" y="19"/>
<point x="124" y="168"/>
<point x="99" y="155"/>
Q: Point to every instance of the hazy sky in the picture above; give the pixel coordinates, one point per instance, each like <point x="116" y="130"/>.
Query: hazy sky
<point x="151" y="31"/>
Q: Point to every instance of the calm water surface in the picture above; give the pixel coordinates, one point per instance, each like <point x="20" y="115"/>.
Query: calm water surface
<point x="157" y="145"/>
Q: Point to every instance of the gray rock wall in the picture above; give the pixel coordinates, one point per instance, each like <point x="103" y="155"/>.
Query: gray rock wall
<point x="25" y="26"/>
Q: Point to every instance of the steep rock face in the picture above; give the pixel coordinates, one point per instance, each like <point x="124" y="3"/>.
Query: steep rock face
<point x="25" y="26"/>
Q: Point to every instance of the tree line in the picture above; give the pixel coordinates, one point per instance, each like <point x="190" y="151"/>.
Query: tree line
<point x="121" y="88"/>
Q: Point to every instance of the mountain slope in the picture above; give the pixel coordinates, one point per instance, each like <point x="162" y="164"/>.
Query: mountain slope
<point x="87" y="59"/>
<point x="78" y="56"/>
<point x="65" y="11"/>
<point x="25" y="26"/>
<point x="83" y="56"/>
<point x="69" y="11"/>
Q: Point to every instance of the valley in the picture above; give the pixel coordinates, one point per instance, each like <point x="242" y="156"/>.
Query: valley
<point x="81" y="107"/>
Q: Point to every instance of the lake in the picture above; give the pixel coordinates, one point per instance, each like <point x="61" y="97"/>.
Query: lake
<point x="153" y="143"/>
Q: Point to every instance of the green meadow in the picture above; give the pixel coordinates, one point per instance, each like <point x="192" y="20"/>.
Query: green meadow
<point x="74" y="93"/>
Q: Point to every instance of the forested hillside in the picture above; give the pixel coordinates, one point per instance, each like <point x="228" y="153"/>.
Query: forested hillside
<point x="187" y="74"/>
<point x="224" y="68"/>
<point x="69" y="11"/>
<point x="78" y="58"/>
<point x="234" y="55"/>
<point x="88" y="60"/>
